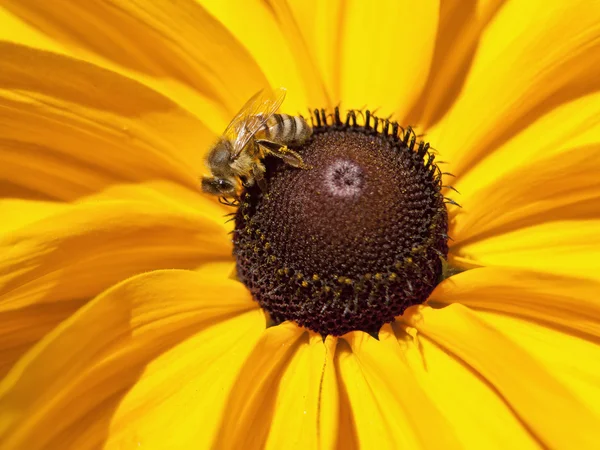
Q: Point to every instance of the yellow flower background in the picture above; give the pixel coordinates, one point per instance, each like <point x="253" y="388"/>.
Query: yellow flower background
<point x="120" y="324"/>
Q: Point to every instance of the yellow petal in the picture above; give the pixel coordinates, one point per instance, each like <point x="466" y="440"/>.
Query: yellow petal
<point x="479" y="417"/>
<point x="99" y="365"/>
<point x="548" y="172"/>
<point x="556" y="319"/>
<point x="389" y="407"/>
<point x="534" y="202"/>
<point x="366" y="420"/>
<point x="17" y="213"/>
<point x="571" y="125"/>
<point x="88" y="247"/>
<point x="461" y="24"/>
<point x="570" y="357"/>
<point x="178" y="49"/>
<point x="564" y="302"/>
<point x="553" y="414"/>
<point x="13" y="29"/>
<point x="180" y="399"/>
<point x="251" y="402"/>
<point x="283" y="48"/>
<point x="320" y="25"/>
<point x="21" y="328"/>
<point x="533" y="57"/>
<point x="386" y="53"/>
<point x="73" y="131"/>
<point x="566" y="247"/>
<point x="296" y="31"/>
<point x="306" y="403"/>
<point x="77" y="251"/>
<point x="348" y="437"/>
<point x="171" y="195"/>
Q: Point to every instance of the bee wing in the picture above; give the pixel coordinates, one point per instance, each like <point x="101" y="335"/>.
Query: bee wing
<point x="251" y="118"/>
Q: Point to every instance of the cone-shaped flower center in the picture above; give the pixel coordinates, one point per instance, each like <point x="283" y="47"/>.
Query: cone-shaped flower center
<point x="351" y="242"/>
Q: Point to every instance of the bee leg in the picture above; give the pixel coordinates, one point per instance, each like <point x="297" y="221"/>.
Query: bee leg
<point x="258" y="171"/>
<point x="247" y="181"/>
<point x="282" y="151"/>
<point x="262" y="183"/>
<point x="229" y="201"/>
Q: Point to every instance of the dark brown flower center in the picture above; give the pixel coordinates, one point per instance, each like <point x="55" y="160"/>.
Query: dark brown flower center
<point x="352" y="242"/>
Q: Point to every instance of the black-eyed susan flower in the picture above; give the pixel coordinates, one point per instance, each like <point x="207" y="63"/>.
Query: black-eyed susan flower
<point x="122" y="325"/>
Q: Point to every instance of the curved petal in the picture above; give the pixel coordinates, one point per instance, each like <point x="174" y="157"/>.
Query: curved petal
<point x="60" y="259"/>
<point x="556" y="319"/>
<point x="250" y="405"/>
<point x="532" y="58"/>
<point x="180" y="398"/>
<point x="564" y="302"/>
<point x="22" y="328"/>
<point x="177" y="48"/>
<point x="17" y="213"/>
<point x="478" y="416"/>
<point x="73" y="131"/>
<point x="89" y="246"/>
<point x="306" y="398"/>
<point x="461" y="25"/>
<point x="571" y="125"/>
<point x="535" y="210"/>
<point x="390" y="409"/>
<point x="547" y="173"/>
<point x="285" y="395"/>
<point x="295" y="31"/>
<point x="320" y="25"/>
<point x="386" y="53"/>
<point x="283" y="48"/>
<point x="534" y="203"/>
<point x="89" y="378"/>
<point x="13" y="29"/>
<point x="548" y="409"/>
<point x="369" y="422"/>
<point x="570" y="358"/>
<point x="171" y="195"/>
<point x="566" y="247"/>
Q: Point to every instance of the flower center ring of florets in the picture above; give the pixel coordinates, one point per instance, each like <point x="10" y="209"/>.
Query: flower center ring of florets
<point x="351" y="242"/>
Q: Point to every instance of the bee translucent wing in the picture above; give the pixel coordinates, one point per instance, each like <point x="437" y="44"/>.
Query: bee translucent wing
<point x="252" y="117"/>
<point x="230" y="131"/>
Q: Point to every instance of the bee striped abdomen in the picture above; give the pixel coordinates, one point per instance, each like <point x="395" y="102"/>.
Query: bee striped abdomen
<point x="286" y="129"/>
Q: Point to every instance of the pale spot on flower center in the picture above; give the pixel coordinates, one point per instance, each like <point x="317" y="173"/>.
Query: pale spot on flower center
<point x="344" y="178"/>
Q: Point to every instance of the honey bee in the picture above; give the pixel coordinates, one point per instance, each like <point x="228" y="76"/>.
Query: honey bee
<point x="255" y="132"/>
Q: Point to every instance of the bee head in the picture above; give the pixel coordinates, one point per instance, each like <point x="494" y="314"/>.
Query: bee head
<point x="219" y="156"/>
<point x="219" y="186"/>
